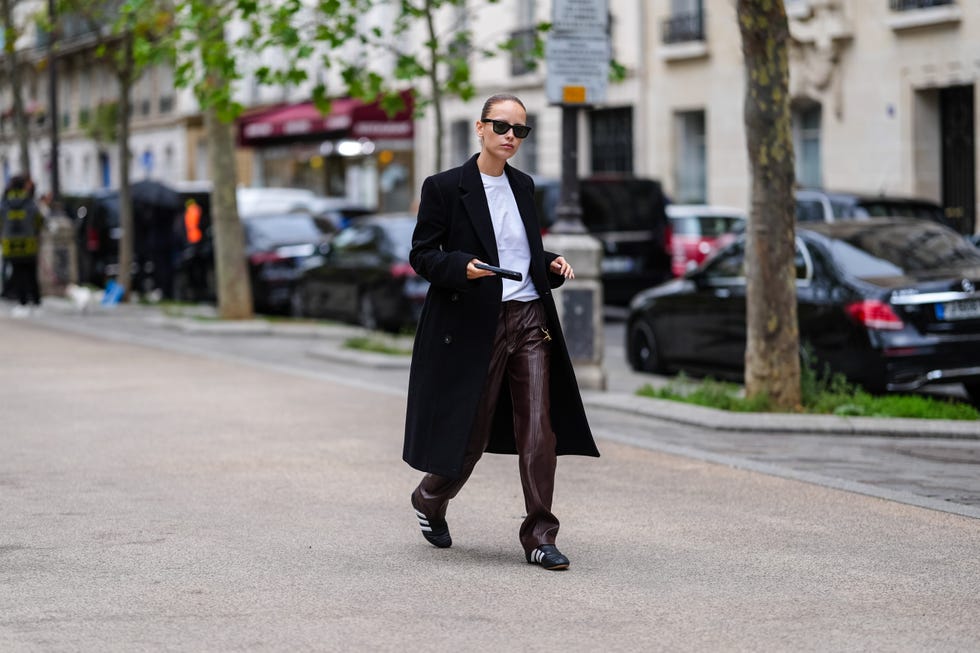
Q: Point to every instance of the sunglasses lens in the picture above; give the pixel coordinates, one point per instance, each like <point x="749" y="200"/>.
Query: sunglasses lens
<point x="501" y="127"/>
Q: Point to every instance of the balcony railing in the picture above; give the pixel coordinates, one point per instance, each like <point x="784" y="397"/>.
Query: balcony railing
<point x="680" y="28"/>
<point x="911" y="5"/>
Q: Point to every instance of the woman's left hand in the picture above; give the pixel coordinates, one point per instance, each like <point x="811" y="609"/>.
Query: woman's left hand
<point x="561" y="266"/>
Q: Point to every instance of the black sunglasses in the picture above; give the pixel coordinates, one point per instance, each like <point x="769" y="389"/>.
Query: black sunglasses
<point x="501" y="127"/>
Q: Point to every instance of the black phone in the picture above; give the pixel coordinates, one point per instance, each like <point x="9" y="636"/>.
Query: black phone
<point x="506" y="274"/>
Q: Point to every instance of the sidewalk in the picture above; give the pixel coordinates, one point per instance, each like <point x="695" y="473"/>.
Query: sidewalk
<point x="200" y="321"/>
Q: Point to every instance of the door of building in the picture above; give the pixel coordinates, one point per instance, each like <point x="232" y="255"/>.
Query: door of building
<point x="959" y="156"/>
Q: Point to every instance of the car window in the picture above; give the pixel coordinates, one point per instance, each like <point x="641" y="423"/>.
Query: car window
<point x="398" y="237"/>
<point x="355" y="238"/>
<point x="273" y="230"/>
<point x="685" y="226"/>
<point x="842" y="209"/>
<point x="904" y="248"/>
<point x="727" y="265"/>
<point x="802" y="262"/>
<point x="717" y="225"/>
<point x="809" y="211"/>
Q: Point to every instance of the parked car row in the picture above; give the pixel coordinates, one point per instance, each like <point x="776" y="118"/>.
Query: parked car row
<point x="889" y="302"/>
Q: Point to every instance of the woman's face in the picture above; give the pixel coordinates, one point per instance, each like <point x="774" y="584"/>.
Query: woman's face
<point x="502" y="146"/>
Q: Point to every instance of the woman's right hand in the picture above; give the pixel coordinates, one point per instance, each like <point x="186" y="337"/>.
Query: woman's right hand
<point x="473" y="272"/>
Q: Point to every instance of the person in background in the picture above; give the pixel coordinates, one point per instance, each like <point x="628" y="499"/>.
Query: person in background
<point x="490" y="369"/>
<point x="20" y="234"/>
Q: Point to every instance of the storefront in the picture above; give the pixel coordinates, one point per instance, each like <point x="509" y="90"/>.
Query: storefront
<point x="356" y="151"/>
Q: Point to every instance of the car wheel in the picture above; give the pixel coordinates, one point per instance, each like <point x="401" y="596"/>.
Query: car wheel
<point x="297" y="302"/>
<point x="973" y="392"/>
<point x="642" y="349"/>
<point x="367" y="315"/>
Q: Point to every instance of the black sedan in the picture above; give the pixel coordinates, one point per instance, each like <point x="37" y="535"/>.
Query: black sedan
<point x="277" y="248"/>
<point x="889" y="302"/>
<point x="365" y="277"/>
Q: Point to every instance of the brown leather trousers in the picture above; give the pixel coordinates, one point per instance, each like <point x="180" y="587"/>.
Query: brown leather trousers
<point x="521" y="350"/>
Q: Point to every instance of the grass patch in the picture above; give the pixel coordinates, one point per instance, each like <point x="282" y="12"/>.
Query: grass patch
<point x="376" y="346"/>
<point x="822" y="394"/>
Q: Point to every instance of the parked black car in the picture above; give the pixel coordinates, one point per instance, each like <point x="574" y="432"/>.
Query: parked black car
<point x="889" y="302"/>
<point x="364" y="277"/>
<point x="627" y="215"/>
<point x="278" y="249"/>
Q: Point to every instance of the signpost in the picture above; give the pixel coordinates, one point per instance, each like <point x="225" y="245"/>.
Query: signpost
<point x="577" y="55"/>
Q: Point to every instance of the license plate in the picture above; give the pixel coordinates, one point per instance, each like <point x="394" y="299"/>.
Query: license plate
<point x="967" y="309"/>
<point x="618" y="264"/>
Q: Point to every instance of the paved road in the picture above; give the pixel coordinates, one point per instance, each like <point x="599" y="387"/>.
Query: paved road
<point x="155" y="499"/>
<point x="937" y="472"/>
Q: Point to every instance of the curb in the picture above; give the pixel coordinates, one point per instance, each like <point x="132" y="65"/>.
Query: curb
<point x="721" y="420"/>
<point x="341" y="354"/>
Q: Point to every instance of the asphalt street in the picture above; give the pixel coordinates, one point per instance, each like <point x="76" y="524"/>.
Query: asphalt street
<point x="169" y="485"/>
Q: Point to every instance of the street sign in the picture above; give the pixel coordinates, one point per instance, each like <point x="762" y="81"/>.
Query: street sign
<point x="580" y="16"/>
<point x="578" y="70"/>
<point x="578" y="52"/>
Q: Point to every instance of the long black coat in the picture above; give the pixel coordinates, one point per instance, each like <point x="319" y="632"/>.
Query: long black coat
<point x="459" y="320"/>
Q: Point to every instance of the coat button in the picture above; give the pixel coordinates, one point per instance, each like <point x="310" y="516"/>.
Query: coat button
<point x="448" y="340"/>
<point x="454" y="297"/>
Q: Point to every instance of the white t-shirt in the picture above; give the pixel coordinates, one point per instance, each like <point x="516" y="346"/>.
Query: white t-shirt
<point x="508" y="228"/>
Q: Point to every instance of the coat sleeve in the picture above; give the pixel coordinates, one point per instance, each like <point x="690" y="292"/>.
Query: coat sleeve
<point x="428" y="256"/>
<point x="554" y="280"/>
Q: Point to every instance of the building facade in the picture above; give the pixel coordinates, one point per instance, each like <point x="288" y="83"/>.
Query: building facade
<point x="884" y="94"/>
<point x="885" y="99"/>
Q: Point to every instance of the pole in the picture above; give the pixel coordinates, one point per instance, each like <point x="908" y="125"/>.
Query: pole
<point x="568" y="213"/>
<point x="53" y="105"/>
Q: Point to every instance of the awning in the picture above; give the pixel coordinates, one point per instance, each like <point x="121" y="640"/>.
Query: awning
<point x="348" y="118"/>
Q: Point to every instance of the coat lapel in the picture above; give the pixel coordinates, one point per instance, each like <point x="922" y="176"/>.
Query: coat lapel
<point x="475" y="201"/>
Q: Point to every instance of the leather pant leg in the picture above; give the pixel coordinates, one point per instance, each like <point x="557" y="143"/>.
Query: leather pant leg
<point x="434" y="492"/>
<point x="528" y="373"/>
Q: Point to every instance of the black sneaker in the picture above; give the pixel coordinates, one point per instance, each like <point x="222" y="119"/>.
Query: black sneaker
<point x="549" y="557"/>
<point x="435" y="532"/>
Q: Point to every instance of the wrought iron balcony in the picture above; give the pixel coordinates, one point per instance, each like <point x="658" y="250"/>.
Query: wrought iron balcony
<point x="680" y="28"/>
<point x="910" y="5"/>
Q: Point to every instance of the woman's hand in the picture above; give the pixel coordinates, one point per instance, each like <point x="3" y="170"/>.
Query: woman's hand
<point x="561" y="266"/>
<point x="473" y="272"/>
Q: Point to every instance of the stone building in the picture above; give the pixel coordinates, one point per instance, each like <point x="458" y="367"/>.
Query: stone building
<point x="884" y="97"/>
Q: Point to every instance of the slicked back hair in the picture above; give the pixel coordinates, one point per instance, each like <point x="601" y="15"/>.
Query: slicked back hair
<point x="497" y="99"/>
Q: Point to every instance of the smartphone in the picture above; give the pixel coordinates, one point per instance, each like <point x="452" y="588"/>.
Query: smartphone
<point x="506" y="274"/>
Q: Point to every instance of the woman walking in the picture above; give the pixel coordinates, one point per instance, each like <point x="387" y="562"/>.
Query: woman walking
<point x="490" y="369"/>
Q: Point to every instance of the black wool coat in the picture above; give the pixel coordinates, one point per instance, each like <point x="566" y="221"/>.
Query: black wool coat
<point x="459" y="320"/>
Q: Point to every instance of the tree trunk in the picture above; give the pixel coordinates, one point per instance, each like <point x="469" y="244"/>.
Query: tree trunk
<point x="13" y="74"/>
<point x="124" y="276"/>
<point x="234" y="287"/>
<point x="772" y="363"/>
<point x="433" y="44"/>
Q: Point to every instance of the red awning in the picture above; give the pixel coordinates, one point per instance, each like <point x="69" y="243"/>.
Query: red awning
<point x="348" y="118"/>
